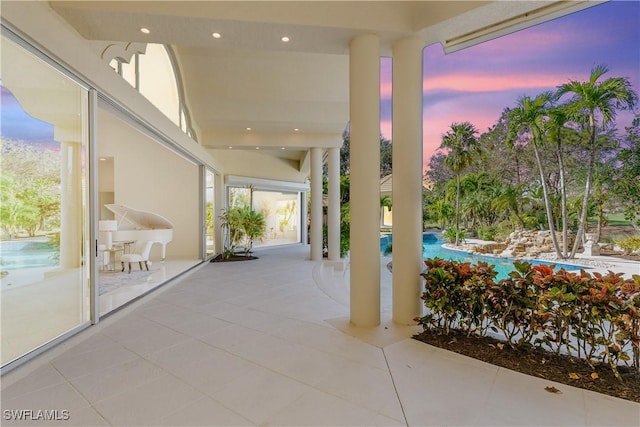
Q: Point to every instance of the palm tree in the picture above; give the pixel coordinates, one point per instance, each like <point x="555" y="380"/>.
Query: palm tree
<point x="462" y="143"/>
<point x="589" y="98"/>
<point x="441" y="211"/>
<point x="529" y="117"/>
<point x="558" y="117"/>
<point x="477" y="190"/>
<point x="508" y="198"/>
<point x="385" y="202"/>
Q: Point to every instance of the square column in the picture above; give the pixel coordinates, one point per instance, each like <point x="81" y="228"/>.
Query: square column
<point x="407" y="180"/>
<point x="364" y="111"/>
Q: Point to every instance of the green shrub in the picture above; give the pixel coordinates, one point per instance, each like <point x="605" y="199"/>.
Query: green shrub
<point x="503" y="230"/>
<point x="453" y="294"/>
<point x="594" y="317"/>
<point x="630" y="244"/>
<point x="450" y="235"/>
<point x="242" y="225"/>
<point x="487" y="232"/>
<point x="345" y="226"/>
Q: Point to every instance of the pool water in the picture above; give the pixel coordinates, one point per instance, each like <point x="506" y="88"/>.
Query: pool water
<point x="432" y="248"/>
<point x="18" y="254"/>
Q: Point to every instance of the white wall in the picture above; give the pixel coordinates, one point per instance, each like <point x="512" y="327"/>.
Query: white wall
<point x="149" y="177"/>
<point x="256" y="165"/>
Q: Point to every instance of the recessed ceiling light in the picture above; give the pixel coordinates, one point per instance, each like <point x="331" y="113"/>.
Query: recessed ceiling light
<point x="102" y="159"/>
<point x="284" y="39"/>
<point x="248" y="128"/>
<point x="296" y="130"/>
<point x="145" y="30"/>
<point x="282" y="148"/>
<point x="257" y="148"/>
<point x="216" y="35"/>
<point x="230" y="147"/>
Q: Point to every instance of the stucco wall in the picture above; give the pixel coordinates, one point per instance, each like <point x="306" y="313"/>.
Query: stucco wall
<point x="256" y="165"/>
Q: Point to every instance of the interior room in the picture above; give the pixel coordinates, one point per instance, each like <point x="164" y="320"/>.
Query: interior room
<point x="132" y="172"/>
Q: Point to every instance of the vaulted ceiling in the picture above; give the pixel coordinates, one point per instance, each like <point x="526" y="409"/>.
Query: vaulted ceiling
<point x="250" y="78"/>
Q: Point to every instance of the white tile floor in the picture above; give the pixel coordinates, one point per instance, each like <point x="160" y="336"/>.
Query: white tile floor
<point x="30" y="295"/>
<point x="259" y="343"/>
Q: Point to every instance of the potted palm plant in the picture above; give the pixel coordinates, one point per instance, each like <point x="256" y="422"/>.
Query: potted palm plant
<point x="254" y="226"/>
<point x="242" y="226"/>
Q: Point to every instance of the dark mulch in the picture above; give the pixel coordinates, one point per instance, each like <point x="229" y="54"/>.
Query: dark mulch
<point x="232" y="258"/>
<point x="542" y="364"/>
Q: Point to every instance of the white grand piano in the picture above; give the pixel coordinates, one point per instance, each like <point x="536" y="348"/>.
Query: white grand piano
<point x="136" y="225"/>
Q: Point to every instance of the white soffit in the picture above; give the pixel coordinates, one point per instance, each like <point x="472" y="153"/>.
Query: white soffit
<point x="266" y="184"/>
<point x="249" y="78"/>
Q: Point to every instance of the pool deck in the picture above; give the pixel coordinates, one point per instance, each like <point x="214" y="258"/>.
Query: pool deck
<point x="260" y="343"/>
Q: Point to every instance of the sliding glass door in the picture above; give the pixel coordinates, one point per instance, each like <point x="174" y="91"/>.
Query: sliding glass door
<point x="44" y="248"/>
<point x="210" y="210"/>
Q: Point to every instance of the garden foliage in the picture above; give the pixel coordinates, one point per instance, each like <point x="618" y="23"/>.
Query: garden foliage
<point x="243" y="225"/>
<point x="630" y="244"/>
<point x="595" y="317"/>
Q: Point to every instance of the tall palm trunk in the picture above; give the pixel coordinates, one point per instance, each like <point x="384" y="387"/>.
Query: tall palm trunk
<point x="585" y="200"/>
<point x="457" y="209"/>
<point x="547" y="202"/>
<point x="517" y="162"/>
<point x="563" y="199"/>
<point x="516" y="212"/>
<point x="601" y="221"/>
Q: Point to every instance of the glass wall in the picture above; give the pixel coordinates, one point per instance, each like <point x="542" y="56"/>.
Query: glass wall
<point x="44" y="252"/>
<point x="282" y="215"/>
<point x="140" y="200"/>
<point x="239" y="197"/>
<point x="210" y="217"/>
<point x="281" y="211"/>
<point x="152" y="73"/>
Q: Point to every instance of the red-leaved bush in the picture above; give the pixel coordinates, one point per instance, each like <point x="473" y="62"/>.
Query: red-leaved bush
<point x="595" y="317"/>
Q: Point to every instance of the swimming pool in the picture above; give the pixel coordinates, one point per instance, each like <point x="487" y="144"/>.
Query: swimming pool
<point x="432" y="248"/>
<point x="18" y="254"/>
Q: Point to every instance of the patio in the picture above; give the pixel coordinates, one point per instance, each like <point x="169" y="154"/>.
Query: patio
<point x="260" y="343"/>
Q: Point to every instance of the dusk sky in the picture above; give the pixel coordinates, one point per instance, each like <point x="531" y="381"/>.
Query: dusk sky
<point x="18" y="125"/>
<point x="477" y="83"/>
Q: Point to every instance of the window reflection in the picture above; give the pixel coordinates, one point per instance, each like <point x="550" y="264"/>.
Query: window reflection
<point x="44" y="252"/>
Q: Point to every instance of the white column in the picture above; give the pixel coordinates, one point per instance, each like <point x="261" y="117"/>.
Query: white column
<point x="407" y="179"/>
<point x="316" y="204"/>
<point x="304" y="237"/>
<point x="71" y="222"/>
<point x="364" y="110"/>
<point x="333" y="212"/>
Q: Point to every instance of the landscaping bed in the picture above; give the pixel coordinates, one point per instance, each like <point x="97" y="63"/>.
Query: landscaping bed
<point x="544" y="319"/>
<point x="541" y="364"/>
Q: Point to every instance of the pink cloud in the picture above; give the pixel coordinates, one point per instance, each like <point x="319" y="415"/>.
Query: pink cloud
<point x="386" y="128"/>
<point x="385" y="87"/>
<point x="436" y="123"/>
<point x="465" y="82"/>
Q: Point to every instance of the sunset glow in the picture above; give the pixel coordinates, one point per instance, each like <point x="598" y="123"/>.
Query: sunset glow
<point x="476" y="84"/>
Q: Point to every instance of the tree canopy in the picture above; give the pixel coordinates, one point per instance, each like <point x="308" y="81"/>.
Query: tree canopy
<point x="552" y="161"/>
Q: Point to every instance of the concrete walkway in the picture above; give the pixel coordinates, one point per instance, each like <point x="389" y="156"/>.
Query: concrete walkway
<point x="260" y="343"/>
